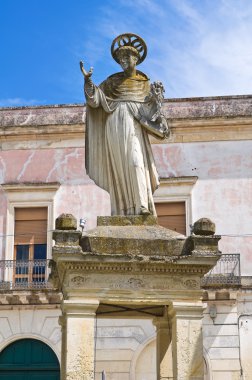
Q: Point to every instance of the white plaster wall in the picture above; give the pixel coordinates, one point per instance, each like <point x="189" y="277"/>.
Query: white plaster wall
<point x="221" y="341"/>
<point x="245" y="332"/>
<point x="3" y="215"/>
<point x="225" y="201"/>
<point x="30" y="322"/>
<point x="120" y="345"/>
<point x="145" y="368"/>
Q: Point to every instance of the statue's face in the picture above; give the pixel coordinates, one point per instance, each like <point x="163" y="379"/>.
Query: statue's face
<point x="128" y="61"/>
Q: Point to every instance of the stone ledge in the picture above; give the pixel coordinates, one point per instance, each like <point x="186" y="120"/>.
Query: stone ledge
<point x="26" y="297"/>
<point x="174" y="108"/>
<point x="191" y="119"/>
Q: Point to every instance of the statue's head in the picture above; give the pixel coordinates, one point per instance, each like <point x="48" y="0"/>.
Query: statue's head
<point x="127" y="57"/>
<point x="128" y="47"/>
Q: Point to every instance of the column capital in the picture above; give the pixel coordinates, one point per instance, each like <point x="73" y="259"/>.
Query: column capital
<point x="79" y="308"/>
<point x="186" y="310"/>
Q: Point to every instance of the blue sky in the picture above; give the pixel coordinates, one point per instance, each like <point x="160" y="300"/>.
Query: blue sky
<point x="195" y="47"/>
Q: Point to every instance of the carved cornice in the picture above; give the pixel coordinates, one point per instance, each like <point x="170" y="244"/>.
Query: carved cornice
<point x="31" y="187"/>
<point x="80" y="274"/>
<point x="190" y="120"/>
<point x="117" y="265"/>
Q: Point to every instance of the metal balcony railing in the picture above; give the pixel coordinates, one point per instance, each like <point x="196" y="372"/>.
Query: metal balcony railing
<point x="226" y="272"/>
<point x="24" y="274"/>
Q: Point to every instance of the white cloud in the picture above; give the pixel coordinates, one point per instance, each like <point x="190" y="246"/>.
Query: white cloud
<point x="18" y="102"/>
<point x="195" y="48"/>
<point x="220" y="62"/>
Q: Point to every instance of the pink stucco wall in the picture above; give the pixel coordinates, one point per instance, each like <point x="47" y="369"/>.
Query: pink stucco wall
<point x="223" y="191"/>
<point x="77" y="194"/>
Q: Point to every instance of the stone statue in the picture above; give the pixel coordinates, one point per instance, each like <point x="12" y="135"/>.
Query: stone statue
<point x="120" y="114"/>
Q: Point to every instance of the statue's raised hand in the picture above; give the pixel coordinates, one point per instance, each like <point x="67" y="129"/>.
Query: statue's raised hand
<point x="86" y="74"/>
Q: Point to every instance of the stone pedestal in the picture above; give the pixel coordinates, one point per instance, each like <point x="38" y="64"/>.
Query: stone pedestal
<point x="133" y="265"/>
<point x="78" y="339"/>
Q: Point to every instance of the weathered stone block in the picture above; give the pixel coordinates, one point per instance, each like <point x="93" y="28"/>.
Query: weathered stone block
<point x="66" y="222"/>
<point x="134" y="235"/>
<point x="204" y="227"/>
<point x="66" y="237"/>
<point x="201" y="245"/>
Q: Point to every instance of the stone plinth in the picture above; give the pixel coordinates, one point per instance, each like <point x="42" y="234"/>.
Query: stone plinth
<point x="131" y="264"/>
<point x="132" y="235"/>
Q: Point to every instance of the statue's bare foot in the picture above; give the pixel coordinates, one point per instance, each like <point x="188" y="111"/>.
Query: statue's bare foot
<point x="144" y="211"/>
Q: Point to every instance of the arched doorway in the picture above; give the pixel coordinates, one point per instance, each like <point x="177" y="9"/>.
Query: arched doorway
<point x="28" y="359"/>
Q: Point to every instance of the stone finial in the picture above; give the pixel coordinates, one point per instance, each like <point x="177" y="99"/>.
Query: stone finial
<point x="66" y="222"/>
<point x="204" y="227"/>
<point x="66" y="235"/>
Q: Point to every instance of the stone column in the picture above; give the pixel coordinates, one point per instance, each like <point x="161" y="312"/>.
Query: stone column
<point x="62" y="323"/>
<point x="187" y="341"/>
<point x="78" y="339"/>
<point x="164" y="349"/>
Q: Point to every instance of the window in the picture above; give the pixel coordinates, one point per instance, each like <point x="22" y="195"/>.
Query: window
<point x="28" y="196"/>
<point x="30" y="243"/>
<point x="173" y="203"/>
<point x="172" y="215"/>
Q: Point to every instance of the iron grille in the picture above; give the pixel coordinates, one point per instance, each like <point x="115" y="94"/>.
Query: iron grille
<point x="225" y="273"/>
<point x="24" y="274"/>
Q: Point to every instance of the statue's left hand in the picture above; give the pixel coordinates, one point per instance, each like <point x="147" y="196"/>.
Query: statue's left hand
<point x="84" y="72"/>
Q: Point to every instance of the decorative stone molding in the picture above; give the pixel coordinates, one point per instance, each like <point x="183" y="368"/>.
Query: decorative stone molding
<point x="129" y="282"/>
<point x="44" y="297"/>
<point x="80" y="307"/>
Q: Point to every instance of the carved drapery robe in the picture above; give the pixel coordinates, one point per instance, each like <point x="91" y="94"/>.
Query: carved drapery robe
<point x="118" y="153"/>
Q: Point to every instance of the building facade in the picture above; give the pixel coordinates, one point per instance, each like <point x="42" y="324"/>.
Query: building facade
<point x="205" y="168"/>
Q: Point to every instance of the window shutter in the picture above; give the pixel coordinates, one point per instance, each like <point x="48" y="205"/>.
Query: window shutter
<point x="30" y="225"/>
<point x="172" y="215"/>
